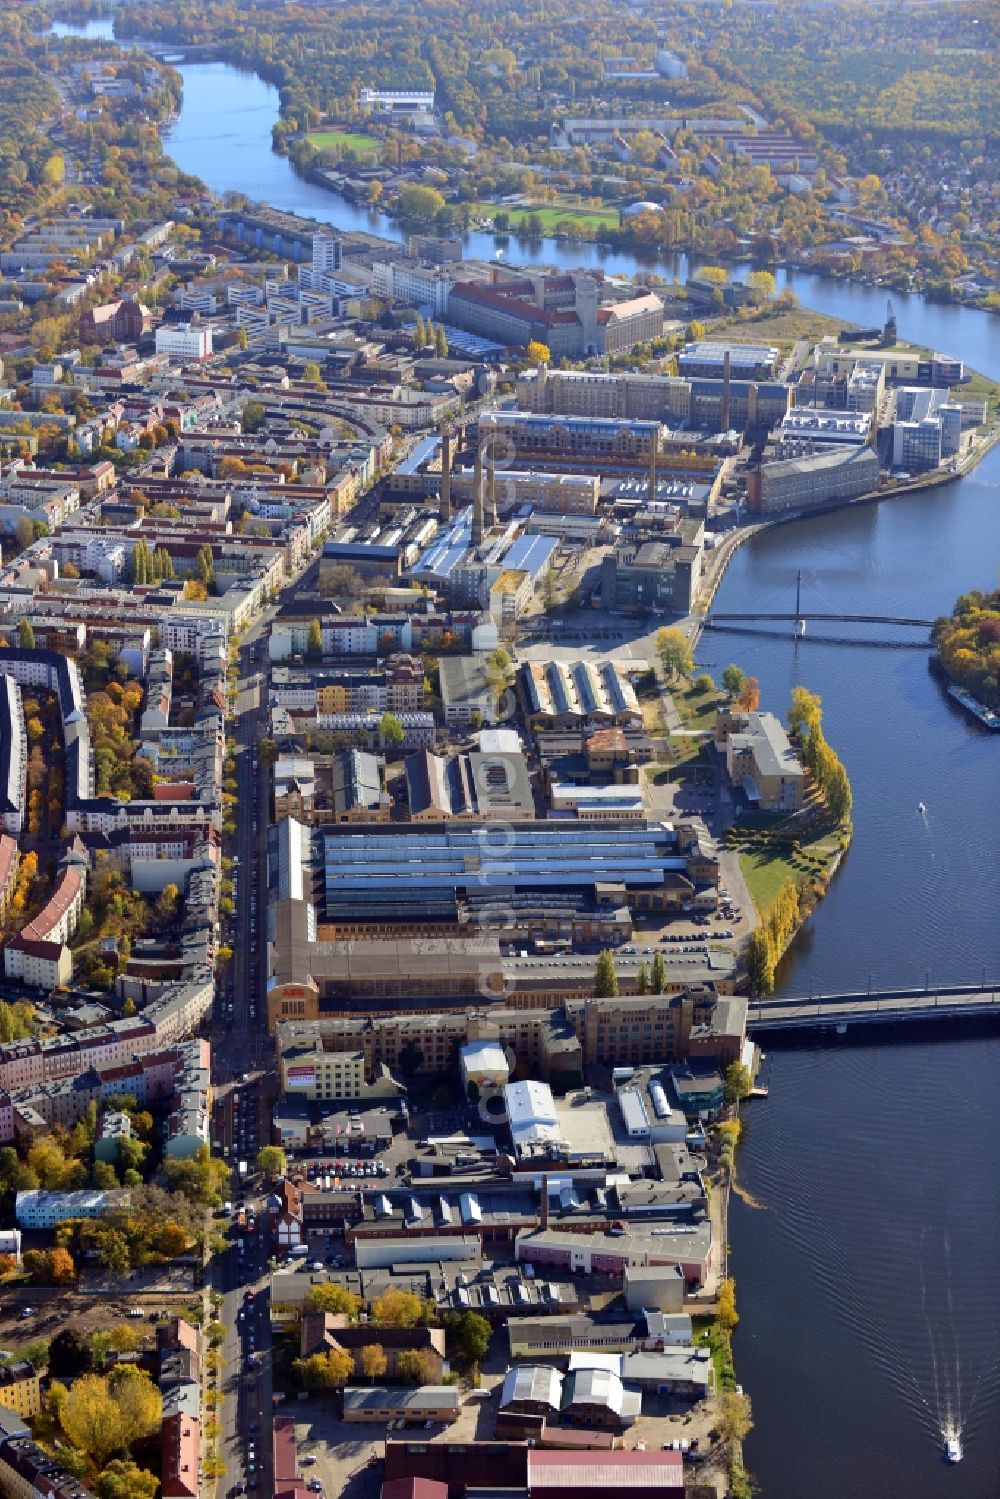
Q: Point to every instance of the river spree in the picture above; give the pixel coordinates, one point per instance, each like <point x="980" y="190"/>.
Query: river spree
<point x="869" y="1275"/>
<point x="869" y="1279"/>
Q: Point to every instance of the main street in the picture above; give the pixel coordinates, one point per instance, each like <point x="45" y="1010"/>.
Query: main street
<point x="242" y="1063"/>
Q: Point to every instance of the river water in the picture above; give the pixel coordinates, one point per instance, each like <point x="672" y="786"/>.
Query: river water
<point x="869" y="1274"/>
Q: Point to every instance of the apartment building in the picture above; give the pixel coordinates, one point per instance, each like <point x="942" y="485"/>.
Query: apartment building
<point x="19" y="1388"/>
<point x="13" y="755"/>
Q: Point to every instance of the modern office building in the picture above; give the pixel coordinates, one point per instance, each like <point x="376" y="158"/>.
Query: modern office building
<point x="928" y="428"/>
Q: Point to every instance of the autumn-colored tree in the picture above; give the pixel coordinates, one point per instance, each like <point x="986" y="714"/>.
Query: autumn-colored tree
<point x="674" y="651"/>
<point x="417" y="1366"/>
<point x="173" y="1240"/>
<point x="373" y="1361"/>
<point x="325" y="1371"/>
<point x="62" y="1270"/>
<point x="92" y="1418"/>
<point x="139" y="1402"/>
<point x="748" y="697"/>
<point x="539" y="353"/>
<point x="328" y="1297"/>
<point x="124" y="1479"/>
<point x="395" y="1308"/>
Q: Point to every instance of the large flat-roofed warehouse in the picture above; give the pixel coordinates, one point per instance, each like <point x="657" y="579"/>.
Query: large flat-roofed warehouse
<point x="390" y="870"/>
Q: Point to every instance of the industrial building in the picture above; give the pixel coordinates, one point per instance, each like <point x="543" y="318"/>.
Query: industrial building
<point x="745" y="361"/>
<point x="811" y="479"/>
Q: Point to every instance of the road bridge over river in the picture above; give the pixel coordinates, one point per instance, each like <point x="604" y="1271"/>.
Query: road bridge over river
<point x="840" y="1012"/>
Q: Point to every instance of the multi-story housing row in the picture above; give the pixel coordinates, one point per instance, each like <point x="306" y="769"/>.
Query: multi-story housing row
<point x="398" y="687"/>
<point x="13" y="756"/>
<point x="147" y="1061"/>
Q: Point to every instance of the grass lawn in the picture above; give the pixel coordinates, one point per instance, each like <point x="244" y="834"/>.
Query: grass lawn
<point x="768" y="859"/>
<point x="978" y="388"/>
<point x="697" y="708"/>
<point x="781" y="328"/>
<point x="346" y="140"/>
<point x="551" y="214"/>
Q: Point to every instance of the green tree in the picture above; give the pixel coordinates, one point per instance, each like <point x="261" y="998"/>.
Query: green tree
<point x="419" y="333"/>
<point x="419" y="204"/>
<point x="440" y="342"/>
<point x="25" y="635"/>
<point x="271" y="1160"/>
<point x="311" y="373"/>
<point x="470" y="1334"/>
<point x="69" y="1354"/>
<point x="738" y="1082"/>
<point x="252" y="417"/>
<point x="497" y="670"/>
<point x="605" y="978"/>
<point x="658" y="976"/>
<point x="674" y="651"/>
<point x="642" y="980"/>
<point x="391" y="731"/>
<point x="732" y="679"/>
<point x="314" y="639"/>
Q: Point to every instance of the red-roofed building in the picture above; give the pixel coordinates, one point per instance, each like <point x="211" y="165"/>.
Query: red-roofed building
<point x="287" y="1482"/>
<point x="174" y="791"/>
<point x="180" y="1441"/>
<point x="414" y="1488"/>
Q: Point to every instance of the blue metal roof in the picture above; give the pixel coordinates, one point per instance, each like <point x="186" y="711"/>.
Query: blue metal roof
<point x="531" y="553"/>
<point x="423" y="450"/>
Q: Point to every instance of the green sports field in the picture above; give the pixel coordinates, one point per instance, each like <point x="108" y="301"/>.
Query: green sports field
<point x="345" y="140"/>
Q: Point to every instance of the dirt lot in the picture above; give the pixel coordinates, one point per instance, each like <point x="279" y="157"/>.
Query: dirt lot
<point x="54" y="1310"/>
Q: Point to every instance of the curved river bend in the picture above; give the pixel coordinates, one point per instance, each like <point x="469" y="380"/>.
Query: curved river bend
<point x="869" y="1277"/>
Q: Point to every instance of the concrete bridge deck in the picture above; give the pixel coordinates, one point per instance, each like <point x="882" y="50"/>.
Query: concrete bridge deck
<point x="810" y="614"/>
<point x="883" y="1007"/>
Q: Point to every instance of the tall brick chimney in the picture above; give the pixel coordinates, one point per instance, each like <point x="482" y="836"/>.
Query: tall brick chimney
<point x="445" y="475"/>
